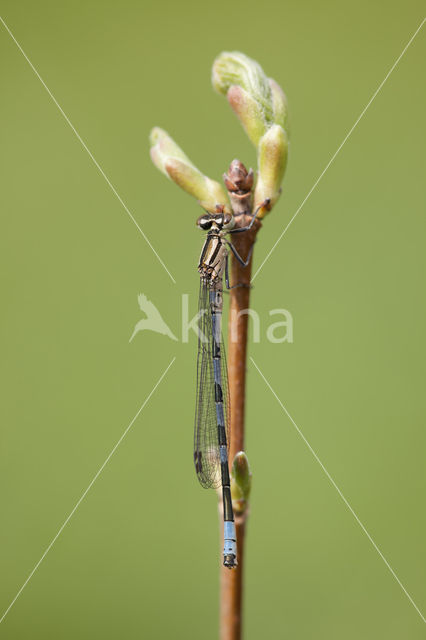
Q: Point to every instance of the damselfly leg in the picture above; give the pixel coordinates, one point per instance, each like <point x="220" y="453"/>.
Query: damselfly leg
<point x="251" y="223"/>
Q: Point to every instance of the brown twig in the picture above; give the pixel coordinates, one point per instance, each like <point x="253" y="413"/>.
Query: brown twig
<point x="239" y="184"/>
<point x="261" y="106"/>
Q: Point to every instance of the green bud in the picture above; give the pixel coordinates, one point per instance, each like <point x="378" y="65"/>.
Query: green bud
<point x="247" y="88"/>
<point x="240" y="482"/>
<point x="164" y="147"/>
<point x="261" y="106"/>
<point x="279" y="104"/>
<point x="235" y="68"/>
<point x="169" y="158"/>
<point x="272" y="160"/>
<point x="249" y="113"/>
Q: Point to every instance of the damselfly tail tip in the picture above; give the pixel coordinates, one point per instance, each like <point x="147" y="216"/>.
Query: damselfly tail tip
<point x="230" y="561"/>
<point x="229" y="544"/>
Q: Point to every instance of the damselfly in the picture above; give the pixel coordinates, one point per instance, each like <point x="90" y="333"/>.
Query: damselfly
<point x="212" y="415"/>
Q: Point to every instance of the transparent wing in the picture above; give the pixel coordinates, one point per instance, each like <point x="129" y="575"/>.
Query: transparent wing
<point x="206" y="445"/>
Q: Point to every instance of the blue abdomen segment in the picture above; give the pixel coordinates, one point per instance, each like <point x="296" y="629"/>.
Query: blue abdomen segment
<point x="229" y="544"/>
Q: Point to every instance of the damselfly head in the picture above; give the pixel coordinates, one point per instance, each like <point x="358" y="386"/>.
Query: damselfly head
<point x="215" y="221"/>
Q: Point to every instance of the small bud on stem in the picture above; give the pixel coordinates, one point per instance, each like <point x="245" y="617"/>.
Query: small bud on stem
<point x="239" y="183"/>
<point x="240" y="483"/>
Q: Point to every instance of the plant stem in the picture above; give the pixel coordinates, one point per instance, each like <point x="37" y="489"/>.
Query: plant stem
<point x="239" y="183"/>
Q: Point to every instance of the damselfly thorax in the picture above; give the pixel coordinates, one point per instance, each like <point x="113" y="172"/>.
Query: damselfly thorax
<point x="214" y="253"/>
<point x="213" y="258"/>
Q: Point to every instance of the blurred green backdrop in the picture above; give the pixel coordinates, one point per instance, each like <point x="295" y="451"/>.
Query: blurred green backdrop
<point x="350" y="270"/>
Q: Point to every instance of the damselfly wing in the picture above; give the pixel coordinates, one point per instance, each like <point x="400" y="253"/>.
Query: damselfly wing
<point x="206" y="445"/>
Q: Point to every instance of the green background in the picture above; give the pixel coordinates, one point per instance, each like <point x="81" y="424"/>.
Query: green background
<point x="139" y="558"/>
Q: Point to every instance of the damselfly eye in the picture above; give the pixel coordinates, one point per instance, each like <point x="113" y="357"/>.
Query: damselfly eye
<point x="204" y="222"/>
<point x="228" y="221"/>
